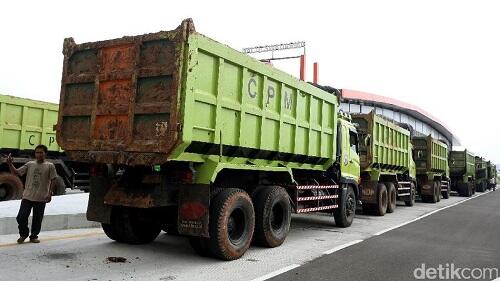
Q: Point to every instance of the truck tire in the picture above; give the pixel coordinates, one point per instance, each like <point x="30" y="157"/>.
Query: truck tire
<point x="11" y="187"/>
<point x="381" y="206"/>
<point x="232" y="222"/>
<point x="438" y="190"/>
<point x="470" y="189"/>
<point x="434" y="197"/>
<point x="60" y="186"/>
<point x="110" y="231"/>
<point x="413" y="193"/>
<point x="344" y="215"/>
<point x="446" y="193"/>
<point x="132" y="225"/>
<point x="392" y="196"/>
<point x="273" y="214"/>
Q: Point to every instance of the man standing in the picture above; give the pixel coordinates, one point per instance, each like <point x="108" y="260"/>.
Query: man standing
<point x="38" y="189"/>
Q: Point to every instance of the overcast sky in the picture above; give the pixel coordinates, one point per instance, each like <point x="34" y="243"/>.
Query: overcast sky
<point x="443" y="56"/>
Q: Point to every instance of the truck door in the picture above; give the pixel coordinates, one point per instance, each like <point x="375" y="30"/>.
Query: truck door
<point x="350" y="156"/>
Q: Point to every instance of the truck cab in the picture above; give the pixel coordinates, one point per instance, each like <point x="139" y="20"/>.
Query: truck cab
<point x="348" y="150"/>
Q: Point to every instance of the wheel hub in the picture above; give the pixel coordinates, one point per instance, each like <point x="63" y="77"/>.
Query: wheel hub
<point x="236" y="226"/>
<point x="277" y="217"/>
<point x="350" y="208"/>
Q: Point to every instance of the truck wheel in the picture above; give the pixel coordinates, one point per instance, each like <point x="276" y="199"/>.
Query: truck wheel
<point x="110" y="231"/>
<point x="438" y="190"/>
<point x="391" y="192"/>
<point x="11" y="187"/>
<point x="381" y="206"/>
<point x="446" y="193"/>
<point x="273" y="214"/>
<point x="433" y="198"/>
<point x="232" y="221"/>
<point x="60" y="186"/>
<point x="344" y="215"/>
<point x="132" y="225"/>
<point x="411" y="202"/>
<point x="200" y="246"/>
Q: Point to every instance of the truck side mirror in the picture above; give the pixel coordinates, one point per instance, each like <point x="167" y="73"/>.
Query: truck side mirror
<point x="419" y="154"/>
<point x="367" y="140"/>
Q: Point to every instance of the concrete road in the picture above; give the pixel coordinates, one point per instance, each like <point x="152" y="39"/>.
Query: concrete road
<point x="82" y="254"/>
<point x="466" y="236"/>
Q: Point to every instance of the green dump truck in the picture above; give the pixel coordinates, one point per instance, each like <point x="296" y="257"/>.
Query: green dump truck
<point x="482" y="178"/>
<point x="462" y="172"/>
<point x="24" y="124"/>
<point x="492" y="175"/>
<point x="387" y="168"/>
<point x="431" y="160"/>
<point x="183" y="131"/>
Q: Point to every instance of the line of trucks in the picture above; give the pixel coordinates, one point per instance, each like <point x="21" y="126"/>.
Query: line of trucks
<point x="182" y="133"/>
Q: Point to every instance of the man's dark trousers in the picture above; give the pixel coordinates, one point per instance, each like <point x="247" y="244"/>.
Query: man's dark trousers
<point x="23" y="215"/>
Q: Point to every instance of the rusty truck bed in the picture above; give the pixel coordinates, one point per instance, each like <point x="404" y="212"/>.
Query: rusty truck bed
<point x="119" y="98"/>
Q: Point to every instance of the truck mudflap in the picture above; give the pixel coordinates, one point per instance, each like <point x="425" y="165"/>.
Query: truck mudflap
<point x="96" y="209"/>
<point x="427" y="188"/>
<point x="369" y="192"/>
<point x="194" y="204"/>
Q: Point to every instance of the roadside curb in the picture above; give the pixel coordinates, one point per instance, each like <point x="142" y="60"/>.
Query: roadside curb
<point x="50" y="222"/>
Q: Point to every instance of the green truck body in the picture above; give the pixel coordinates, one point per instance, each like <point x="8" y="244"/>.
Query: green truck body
<point x="462" y="172"/>
<point x="385" y="160"/>
<point x="24" y="124"/>
<point x="177" y="123"/>
<point x="194" y="100"/>
<point x="431" y="160"/>
<point x="492" y="174"/>
<point x="481" y="177"/>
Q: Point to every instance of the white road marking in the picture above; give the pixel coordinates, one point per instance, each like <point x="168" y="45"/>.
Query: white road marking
<point x="428" y="214"/>
<point x="277" y="272"/>
<point x="338" y="248"/>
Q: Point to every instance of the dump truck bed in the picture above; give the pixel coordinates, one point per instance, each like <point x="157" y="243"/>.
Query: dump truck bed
<point x="430" y="155"/>
<point x="26" y="123"/>
<point x="462" y="163"/>
<point x="481" y="168"/>
<point x="178" y="95"/>
<point x="388" y="147"/>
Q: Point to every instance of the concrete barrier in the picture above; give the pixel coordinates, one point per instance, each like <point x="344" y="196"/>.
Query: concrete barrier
<point x="52" y="222"/>
<point x="64" y="212"/>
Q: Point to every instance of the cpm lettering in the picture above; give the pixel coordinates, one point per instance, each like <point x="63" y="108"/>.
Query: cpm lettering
<point x="31" y="137"/>
<point x="271" y="93"/>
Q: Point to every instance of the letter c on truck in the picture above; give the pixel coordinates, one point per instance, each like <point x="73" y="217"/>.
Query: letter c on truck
<point x="251" y="93"/>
